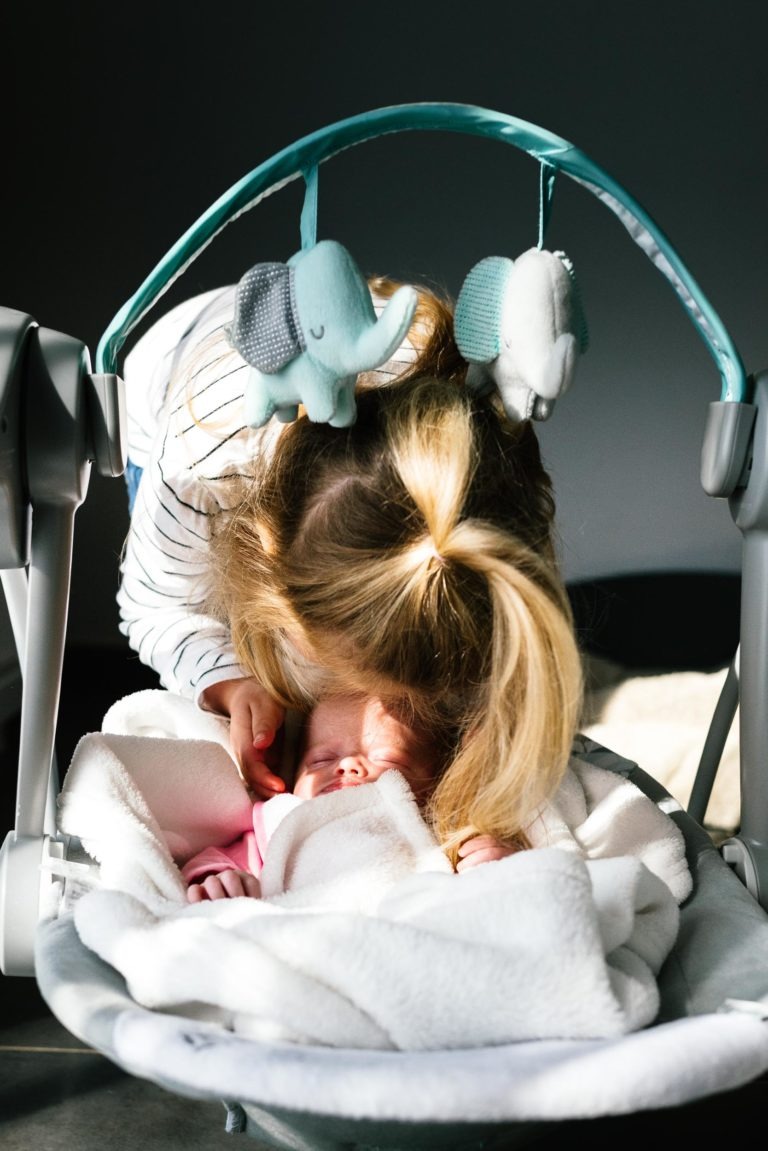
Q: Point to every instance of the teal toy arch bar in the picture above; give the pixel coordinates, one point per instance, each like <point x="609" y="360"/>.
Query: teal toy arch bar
<point x="307" y="153"/>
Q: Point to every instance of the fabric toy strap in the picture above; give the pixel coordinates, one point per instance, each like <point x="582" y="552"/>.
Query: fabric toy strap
<point x="547" y="176"/>
<point x="309" y="209"/>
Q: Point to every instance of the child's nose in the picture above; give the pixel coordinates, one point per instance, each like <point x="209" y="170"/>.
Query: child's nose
<point x="352" y="765"/>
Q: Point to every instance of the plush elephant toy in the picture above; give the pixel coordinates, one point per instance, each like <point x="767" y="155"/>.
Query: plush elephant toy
<point x="520" y="326"/>
<point x="307" y="328"/>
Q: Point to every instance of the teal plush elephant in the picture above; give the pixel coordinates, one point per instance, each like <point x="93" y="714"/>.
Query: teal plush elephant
<point x="307" y="328"/>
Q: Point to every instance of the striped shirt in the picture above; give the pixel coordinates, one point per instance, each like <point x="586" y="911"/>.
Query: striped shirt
<point x="186" y="430"/>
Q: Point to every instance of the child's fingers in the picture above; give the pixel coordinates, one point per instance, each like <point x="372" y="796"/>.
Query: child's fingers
<point x="263" y="738"/>
<point x="258" y="764"/>
<point x="260" y="777"/>
<point x="255" y="734"/>
<point x="266" y="718"/>
<point x="265" y="721"/>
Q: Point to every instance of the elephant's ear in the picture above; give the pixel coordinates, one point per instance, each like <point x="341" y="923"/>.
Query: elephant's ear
<point x="477" y="318"/>
<point x="265" y="329"/>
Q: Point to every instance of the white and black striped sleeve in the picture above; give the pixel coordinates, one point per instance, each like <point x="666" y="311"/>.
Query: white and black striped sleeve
<point x="200" y="451"/>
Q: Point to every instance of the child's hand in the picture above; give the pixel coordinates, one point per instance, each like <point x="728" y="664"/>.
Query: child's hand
<point x="255" y="720"/>
<point x="225" y="885"/>
<point x="482" y="849"/>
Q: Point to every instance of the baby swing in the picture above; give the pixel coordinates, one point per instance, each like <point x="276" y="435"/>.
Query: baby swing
<point x="711" y="1034"/>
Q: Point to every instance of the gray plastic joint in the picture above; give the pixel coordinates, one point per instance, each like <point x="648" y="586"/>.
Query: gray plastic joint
<point x="33" y="871"/>
<point x="20" y="858"/>
<point x="749" y="499"/>
<point x="724" y="454"/>
<point x="58" y="467"/>
<point x="748" y="862"/>
<point x="16" y="328"/>
<point x="108" y="446"/>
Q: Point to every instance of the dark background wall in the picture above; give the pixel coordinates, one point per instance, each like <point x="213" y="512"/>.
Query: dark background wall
<point x="123" y="123"/>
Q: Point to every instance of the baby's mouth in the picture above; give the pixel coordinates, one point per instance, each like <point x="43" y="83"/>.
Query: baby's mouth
<point x="338" y="784"/>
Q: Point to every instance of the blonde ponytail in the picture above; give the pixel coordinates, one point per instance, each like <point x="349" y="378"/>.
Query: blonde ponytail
<point x="516" y="745"/>
<point x="433" y="452"/>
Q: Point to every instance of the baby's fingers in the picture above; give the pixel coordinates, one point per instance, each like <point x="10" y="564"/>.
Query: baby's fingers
<point x="239" y="883"/>
<point x="482" y="849"/>
<point x="225" y="885"/>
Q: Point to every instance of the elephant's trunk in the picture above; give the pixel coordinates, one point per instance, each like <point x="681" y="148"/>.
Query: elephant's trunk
<point x="375" y="344"/>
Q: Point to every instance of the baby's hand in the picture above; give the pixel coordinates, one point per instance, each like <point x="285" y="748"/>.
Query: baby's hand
<point x="225" y="885"/>
<point x="482" y="849"/>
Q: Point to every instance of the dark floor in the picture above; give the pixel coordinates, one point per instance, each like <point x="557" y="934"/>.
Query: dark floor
<point x="56" y="1095"/>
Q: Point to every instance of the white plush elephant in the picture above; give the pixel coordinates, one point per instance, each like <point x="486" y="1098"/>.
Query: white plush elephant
<point x="520" y="326"/>
<point x="308" y="328"/>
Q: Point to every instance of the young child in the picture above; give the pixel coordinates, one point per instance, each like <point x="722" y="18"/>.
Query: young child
<point x="190" y="454"/>
<point x="348" y="741"/>
<point x="410" y="556"/>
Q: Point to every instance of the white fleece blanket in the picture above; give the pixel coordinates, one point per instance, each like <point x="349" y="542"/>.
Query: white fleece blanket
<point x="364" y="937"/>
<point x="661" y="722"/>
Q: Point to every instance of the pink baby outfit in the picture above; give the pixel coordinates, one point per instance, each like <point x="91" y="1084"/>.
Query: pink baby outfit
<point x="247" y="851"/>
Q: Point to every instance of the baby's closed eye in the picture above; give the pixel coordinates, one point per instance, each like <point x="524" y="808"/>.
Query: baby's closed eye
<point x="386" y="758"/>
<point x="318" y="759"/>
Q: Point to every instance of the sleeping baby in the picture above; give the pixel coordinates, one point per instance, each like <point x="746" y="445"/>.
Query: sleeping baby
<point x="348" y="740"/>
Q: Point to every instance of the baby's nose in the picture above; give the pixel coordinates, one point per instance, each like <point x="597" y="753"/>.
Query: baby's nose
<point x="352" y="765"/>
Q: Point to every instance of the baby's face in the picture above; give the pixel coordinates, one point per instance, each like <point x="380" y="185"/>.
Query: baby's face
<point x="351" y="740"/>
